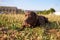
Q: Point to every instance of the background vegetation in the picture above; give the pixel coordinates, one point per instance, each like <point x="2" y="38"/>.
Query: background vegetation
<point x="50" y="11"/>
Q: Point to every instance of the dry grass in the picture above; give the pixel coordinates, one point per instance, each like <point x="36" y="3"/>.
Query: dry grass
<point x="10" y="25"/>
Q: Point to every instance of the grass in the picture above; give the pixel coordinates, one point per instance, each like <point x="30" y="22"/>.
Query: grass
<point x="10" y="25"/>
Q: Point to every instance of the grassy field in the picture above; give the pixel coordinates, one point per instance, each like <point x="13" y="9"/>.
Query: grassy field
<point x="10" y="25"/>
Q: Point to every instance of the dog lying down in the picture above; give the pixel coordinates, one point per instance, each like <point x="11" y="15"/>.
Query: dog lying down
<point x="33" y="20"/>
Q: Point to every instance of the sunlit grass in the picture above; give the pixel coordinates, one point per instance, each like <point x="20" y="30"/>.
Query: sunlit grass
<point x="10" y="25"/>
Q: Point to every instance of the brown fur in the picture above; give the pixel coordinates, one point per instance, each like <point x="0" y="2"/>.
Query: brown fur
<point x="41" y="20"/>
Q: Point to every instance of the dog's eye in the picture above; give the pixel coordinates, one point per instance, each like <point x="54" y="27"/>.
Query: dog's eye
<point x="25" y="15"/>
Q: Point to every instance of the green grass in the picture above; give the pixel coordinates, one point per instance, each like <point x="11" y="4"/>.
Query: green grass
<point x="10" y="25"/>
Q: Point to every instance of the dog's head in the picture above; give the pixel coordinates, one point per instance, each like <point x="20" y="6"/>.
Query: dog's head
<point x="30" y="14"/>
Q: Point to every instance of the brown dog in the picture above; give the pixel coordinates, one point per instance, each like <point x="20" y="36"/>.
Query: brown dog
<point x="32" y="19"/>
